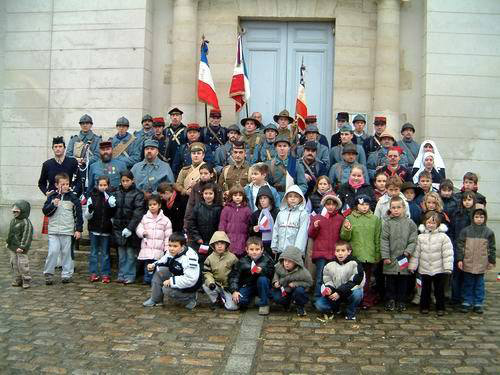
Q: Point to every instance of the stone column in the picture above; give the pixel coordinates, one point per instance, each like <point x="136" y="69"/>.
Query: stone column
<point x="185" y="44"/>
<point x="386" y="92"/>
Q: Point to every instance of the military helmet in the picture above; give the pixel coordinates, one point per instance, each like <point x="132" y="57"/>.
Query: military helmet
<point x="85" y="119"/>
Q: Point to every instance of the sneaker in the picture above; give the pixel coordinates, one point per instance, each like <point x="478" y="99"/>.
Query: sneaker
<point x="389" y="305"/>
<point x="17" y="282"/>
<point x="191" y="304"/>
<point x="128" y="282"/>
<point x="93" y="278"/>
<point x="349" y="317"/>
<point x="150" y="303"/>
<point x="66" y="280"/>
<point x="264" y="310"/>
<point x="106" y="279"/>
<point x="465" y="309"/>
<point x="401" y="306"/>
<point x="478" y="309"/>
<point x="48" y="279"/>
<point x="119" y="281"/>
<point x="440" y="313"/>
<point x="26" y="284"/>
<point x="301" y="311"/>
<point x="424" y="311"/>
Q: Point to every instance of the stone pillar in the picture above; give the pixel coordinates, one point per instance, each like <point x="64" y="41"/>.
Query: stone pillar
<point x="185" y="44"/>
<point x="386" y="92"/>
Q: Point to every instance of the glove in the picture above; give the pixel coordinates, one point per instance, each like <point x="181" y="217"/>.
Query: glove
<point x="126" y="233"/>
<point x="211" y="286"/>
<point x="112" y="201"/>
<point x="90" y="206"/>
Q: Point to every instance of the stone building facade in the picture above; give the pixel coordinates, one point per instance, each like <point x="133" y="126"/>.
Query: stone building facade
<point x="435" y="63"/>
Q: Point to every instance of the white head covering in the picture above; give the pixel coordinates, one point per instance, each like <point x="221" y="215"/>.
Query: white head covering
<point x="438" y="160"/>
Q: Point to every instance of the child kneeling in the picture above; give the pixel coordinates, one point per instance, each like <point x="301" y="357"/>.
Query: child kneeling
<point x="177" y="274"/>
<point x="252" y="276"/>
<point x="343" y="281"/>
<point x="216" y="271"/>
<point x="291" y="280"/>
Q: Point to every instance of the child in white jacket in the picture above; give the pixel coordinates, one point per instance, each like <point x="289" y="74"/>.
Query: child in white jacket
<point x="433" y="257"/>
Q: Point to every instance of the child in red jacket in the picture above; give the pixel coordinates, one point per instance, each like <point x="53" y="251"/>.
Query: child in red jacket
<point x="325" y="230"/>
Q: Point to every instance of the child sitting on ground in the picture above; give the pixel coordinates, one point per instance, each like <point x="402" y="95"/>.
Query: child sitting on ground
<point x="19" y="242"/>
<point x="252" y="276"/>
<point x="343" y="281"/>
<point x="291" y="280"/>
<point x="176" y="276"/>
<point x="216" y="271"/>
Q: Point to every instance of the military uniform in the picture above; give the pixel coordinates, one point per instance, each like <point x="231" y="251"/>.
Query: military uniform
<point x="183" y="157"/>
<point x="278" y="174"/>
<point x="252" y="140"/>
<point x="176" y="137"/>
<point x="163" y="144"/>
<point x="322" y="154"/>
<point x="148" y="176"/>
<point x="336" y="154"/>
<point x="264" y="152"/>
<point x="124" y="149"/>
<point x="222" y="156"/>
<point x="83" y="144"/>
<point x="188" y="177"/>
<point x="233" y="175"/>
<point x="213" y="136"/>
<point x="111" y="169"/>
<point x="315" y="170"/>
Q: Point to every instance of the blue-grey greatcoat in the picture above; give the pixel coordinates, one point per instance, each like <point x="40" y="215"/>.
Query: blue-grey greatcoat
<point x="410" y="148"/>
<point x="110" y="169"/>
<point x="222" y="156"/>
<point x="336" y="155"/>
<point x="277" y="174"/>
<point x="322" y="153"/>
<point x="77" y="141"/>
<point x="130" y="155"/>
<point x="148" y="176"/>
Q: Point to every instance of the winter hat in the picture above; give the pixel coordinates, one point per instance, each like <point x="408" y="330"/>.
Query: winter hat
<point x="363" y="198"/>
<point x="359" y="117"/>
<point x="333" y="197"/>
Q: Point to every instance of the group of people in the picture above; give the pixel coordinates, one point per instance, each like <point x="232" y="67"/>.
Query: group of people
<point x="241" y="212"/>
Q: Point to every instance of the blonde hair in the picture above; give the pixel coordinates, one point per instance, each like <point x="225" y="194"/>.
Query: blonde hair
<point x="439" y="201"/>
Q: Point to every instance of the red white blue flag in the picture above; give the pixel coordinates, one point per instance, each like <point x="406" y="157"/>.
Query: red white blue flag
<point x="239" y="90"/>
<point x="300" y="104"/>
<point x="206" y="87"/>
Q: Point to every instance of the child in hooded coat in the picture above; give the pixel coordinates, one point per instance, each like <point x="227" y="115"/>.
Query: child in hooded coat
<point x="266" y="213"/>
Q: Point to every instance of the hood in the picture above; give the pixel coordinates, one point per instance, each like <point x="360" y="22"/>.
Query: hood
<point x="293" y="189"/>
<point x="442" y="228"/>
<point x="294" y="254"/>
<point x="347" y="260"/>
<point x="476" y="210"/>
<point x="25" y="208"/>
<point x="334" y="197"/>
<point x="265" y="191"/>
<point x="219" y="236"/>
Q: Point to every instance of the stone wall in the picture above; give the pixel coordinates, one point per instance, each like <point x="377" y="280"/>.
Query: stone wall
<point x="461" y="83"/>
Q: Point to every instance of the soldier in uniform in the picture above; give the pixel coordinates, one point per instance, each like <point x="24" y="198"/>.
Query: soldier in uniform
<point x="223" y="154"/>
<point x="235" y="173"/>
<point x="141" y="135"/>
<point x="312" y="135"/>
<point x="409" y="146"/>
<point x="183" y="156"/>
<point x="190" y="174"/>
<point x="359" y="123"/>
<point x="160" y="137"/>
<point x="342" y="119"/>
<point x="379" y="159"/>
<point x="175" y="132"/>
<point x="266" y="150"/>
<point x="284" y="169"/>
<point x="346" y="137"/>
<point x="339" y="172"/>
<point x="312" y="120"/>
<point x="372" y="143"/>
<point x="106" y="166"/>
<point x="286" y="126"/>
<point x="152" y="171"/>
<point x="124" y="148"/>
<point x="314" y="167"/>
<point x="214" y="135"/>
<point x="251" y="135"/>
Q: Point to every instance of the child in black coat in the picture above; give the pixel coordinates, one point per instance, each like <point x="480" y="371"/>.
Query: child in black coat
<point x="258" y="221"/>
<point x="173" y="205"/>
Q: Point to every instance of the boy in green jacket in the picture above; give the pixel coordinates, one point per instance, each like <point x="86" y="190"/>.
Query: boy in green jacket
<point x="19" y="242"/>
<point x="362" y="230"/>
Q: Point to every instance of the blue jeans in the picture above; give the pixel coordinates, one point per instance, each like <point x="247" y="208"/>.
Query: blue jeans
<point x="148" y="276"/>
<point x="320" y="264"/>
<point x="473" y="289"/>
<point x="297" y="295"/>
<point x="326" y="305"/>
<point x="457" y="280"/>
<point x="126" y="263"/>
<point x="261" y="288"/>
<point x="99" y="254"/>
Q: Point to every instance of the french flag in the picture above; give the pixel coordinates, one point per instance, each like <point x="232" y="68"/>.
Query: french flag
<point x="206" y="87"/>
<point x="239" y="90"/>
<point x="300" y="104"/>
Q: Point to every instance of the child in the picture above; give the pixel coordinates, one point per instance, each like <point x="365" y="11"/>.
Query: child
<point x="409" y="190"/>
<point x="433" y="257"/>
<point x="425" y="185"/>
<point x="207" y="176"/>
<point x="216" y="271"/>
<point x="398" y="241"/>
<point x="291" y="280"/>
<point x="128" y="214"/>
<point x="203" y="222"/>
<point x="323" y="186"/>
<point x="432" y="202"/>
<point x="173" y="205"/>
<point x="19" y="242"/>
<point x="177" y="275"/>
<point x="343" y="281"/>
<point x="65" y="221"/>
<point x="99" y="210"/>
<point x="234" y="220"/>
<point x="393" y="187"/>
<point x="379" y="182"/>
<point x="355" y="185"/>
<point x="262" y="221"/>
<point x="258" y="175"/>
<point x="362" y="230"/>
<point x="325" y="230"/>
<point x="470" y="183"/>
<point x="252" y="276"/>
<point x="450" y="205"/>
<point x="290" y="227"/>
<point x="476" y="255"/>
<point x="154" y="230"/>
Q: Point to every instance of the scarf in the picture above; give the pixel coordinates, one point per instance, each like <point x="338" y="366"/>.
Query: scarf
<point x="120" y="137"/>
<point x="86" y="137"/>
<point x="358" y="185"/>
<point x="171" y="201"/>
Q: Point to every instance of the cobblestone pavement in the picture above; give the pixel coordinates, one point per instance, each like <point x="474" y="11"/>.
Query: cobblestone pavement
<point x="83" y="328"/>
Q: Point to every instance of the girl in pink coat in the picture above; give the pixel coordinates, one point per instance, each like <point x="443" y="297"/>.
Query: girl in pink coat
<point x="154" y="229"/>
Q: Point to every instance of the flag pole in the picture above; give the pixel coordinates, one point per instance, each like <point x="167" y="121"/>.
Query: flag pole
<point x="240" y="33"/>
<point x="206" y="115"/>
